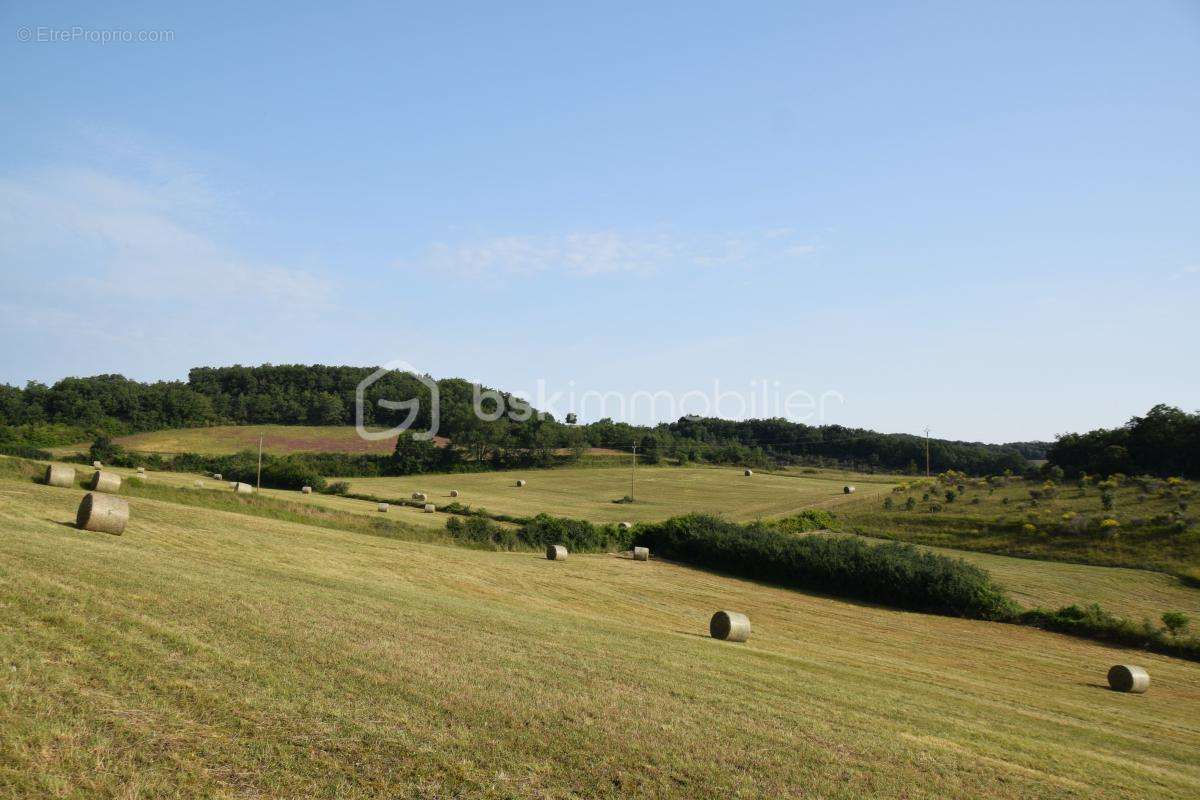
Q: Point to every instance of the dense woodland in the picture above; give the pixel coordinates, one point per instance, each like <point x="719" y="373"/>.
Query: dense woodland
<point x="1166" y="441"/>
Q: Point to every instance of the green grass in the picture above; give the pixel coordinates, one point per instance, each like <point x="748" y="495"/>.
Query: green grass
<point x="660" y="492"/>
<point x="996" y="526"/>
<point x="208" y="653"/>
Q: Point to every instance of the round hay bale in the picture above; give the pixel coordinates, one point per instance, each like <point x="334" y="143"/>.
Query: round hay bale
<point x="102" y="513"/>
<point x="454" y="492"/>
<point x="141" y="470"/>
<point x="748" y="472"/>
<point x="217" y="476"/>
<point x="430" y="508"/>
<point x="556" y="552"/>
<point x="730" y="626"/>
<point x="1126" y="678"/>
<point x="199" y="484"/>
<point x="847" y="490"/>
<point x="60" y="476"/>
<point x="520" y="483"/>
<point x="419" y="496"/>
<point x="383" y="507"/>
<point x="305" y="490"/>
<point x="105" y="482"/>
<point x="243" y="488"/>
<point x="97" y="464"/>
<point x="641" y="554"/>
<point x="625" y="525"/>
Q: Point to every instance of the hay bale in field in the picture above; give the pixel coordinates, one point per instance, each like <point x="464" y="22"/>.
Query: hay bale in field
<point x="748" y="472"/>
<point x="141" y="470"/>
<point x="624" y="525"/>
<point x="105" y="482"/>
<point x="454" y="492"/>
<point x="233" y="484"/>
<point x="217" y="476"/>
<point x="556" y="552"/>
<point x="847" y="490"/>
<point x="520" y="483"/>
<point x="730" y="626"/>
<point x="641" y="554"/>
<point x="60" y="476"/>
<point x="1126" y="678"/>
<point x="383" y="507"/>
<point x="102" y="513"/>
<point x="419" y="496"/>
<point x="97" y="464"/>
<point x="430" y="508"/>
<point x="243" y="488"/>
<point x="199" y="484"/>
<point x="305" y="490"/>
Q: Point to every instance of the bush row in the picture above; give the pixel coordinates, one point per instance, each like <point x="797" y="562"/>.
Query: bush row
<point x="1093" y="622"/>
<point x="579" y="536"/>
<point x="896" y="575"/>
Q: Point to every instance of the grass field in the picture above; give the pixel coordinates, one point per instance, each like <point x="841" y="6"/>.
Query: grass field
<point x="205" y="653"/>
<point x="277" y="440"/>
<point x="993" y="519"/>
<point x="660" y="492"/>
<point x="1129" y="592"/>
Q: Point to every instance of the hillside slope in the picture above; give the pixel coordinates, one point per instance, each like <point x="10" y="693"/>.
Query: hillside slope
<point x="208" y="653"/>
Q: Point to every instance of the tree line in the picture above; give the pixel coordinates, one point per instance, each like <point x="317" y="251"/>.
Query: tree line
<point x="1165" y="442"/>
<point x="113" y="405"/>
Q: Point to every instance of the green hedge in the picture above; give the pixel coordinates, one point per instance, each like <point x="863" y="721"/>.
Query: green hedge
<point x="890" y="574"/>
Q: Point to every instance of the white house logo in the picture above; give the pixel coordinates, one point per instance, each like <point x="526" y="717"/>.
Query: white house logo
<point x="412" y="405"/>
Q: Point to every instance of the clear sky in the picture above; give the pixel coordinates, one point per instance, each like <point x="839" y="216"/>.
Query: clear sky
<point x="981" y="217"/>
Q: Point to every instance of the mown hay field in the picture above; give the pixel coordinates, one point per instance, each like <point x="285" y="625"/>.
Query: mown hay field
<point x="206" y="653"/>
<point x="659" y="492"/>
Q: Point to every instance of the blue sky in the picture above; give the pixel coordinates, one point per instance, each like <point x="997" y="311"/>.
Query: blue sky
<point x="984" y="218"/>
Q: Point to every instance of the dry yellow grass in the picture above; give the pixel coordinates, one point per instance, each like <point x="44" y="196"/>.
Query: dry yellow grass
<point x="661" y="492"/>
<point x="211" y="654"/>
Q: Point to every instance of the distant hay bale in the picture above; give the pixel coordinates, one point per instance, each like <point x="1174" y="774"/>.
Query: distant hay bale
<point x="102" y="513"/>
<point x="641" y="554"/>
<point x="242" y="488"/>
<point x="748" y="473"/>
<point x="199" y="484"/>
<point x="556" y="552"/>
<point x="625" y="525"/>
<point x="1126" y="678"/>
<point x="520" y="483"/>
<point x="383" y="507"/>
<point x="141" y="470"/>
<point x="419" y="496"/>
<point x="305" y="490"/>
<point x="730" y="626"/>
<point x="454" y="492"/>
<point x="60" y="476"/>
<point x="97" y="464"/>
<point x="430" y="508"/>
<point x="105" y="482"/>
<point x="217" y="476"/>
<point x="848" y="490"/>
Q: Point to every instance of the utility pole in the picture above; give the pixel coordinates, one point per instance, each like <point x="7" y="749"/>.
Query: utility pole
<point x="926" y="451"/>
<point x="258" y="480"/>
<point x="633" y="471"/>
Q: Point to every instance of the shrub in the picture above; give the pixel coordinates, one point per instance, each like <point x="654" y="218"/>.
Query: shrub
<point x="891" y="574"/>
<point x="910" y="504"/>
<point x="1176" y="622"/>
<point x="1107" y="499"/>
<point x="336" y="487"/>
<point x="813" y="519"/>
<point x="887" y="504"/>
<point x="577" y="534"/>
